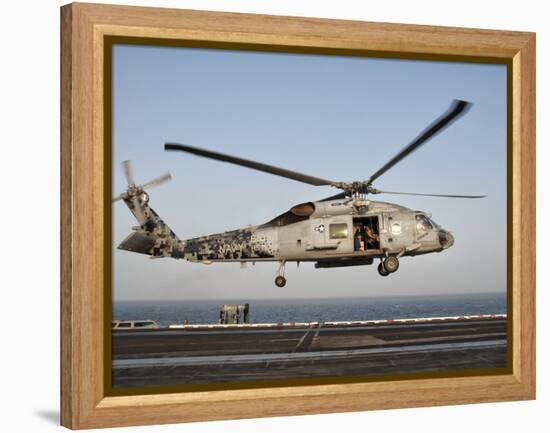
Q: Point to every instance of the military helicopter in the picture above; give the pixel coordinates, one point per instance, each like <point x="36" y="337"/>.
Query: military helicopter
<point x="346" y="229"/>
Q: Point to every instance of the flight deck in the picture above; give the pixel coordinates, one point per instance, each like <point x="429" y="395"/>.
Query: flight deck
<point x="206" y="354"/>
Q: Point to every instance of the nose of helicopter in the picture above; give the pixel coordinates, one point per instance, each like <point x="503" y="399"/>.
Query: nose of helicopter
<point x="446" y="239"/>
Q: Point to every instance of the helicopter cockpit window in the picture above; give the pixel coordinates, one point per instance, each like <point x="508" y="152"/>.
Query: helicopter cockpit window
<point x="423" y="224"/>
<point x="338" y="231"/>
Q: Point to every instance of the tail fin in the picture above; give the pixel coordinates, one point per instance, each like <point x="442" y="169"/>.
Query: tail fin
<point x="153" y="236"/>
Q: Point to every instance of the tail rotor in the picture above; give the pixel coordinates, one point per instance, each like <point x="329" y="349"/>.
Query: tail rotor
<point x="135" y="195"/>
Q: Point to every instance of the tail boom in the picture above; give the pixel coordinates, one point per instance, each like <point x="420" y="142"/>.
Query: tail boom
<point x="153" y="236"/>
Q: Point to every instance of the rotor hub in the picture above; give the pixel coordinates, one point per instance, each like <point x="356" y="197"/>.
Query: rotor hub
<point x="357" y="188"/>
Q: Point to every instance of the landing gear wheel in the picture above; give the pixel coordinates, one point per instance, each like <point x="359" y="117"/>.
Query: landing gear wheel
<point x="280" y="281"/>
<point x="382" y="271"/>
<point x="391" y="264"/>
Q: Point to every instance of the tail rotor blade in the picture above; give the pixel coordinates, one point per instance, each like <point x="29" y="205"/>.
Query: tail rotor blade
<point x="158" y="181"/>
<point x="117" y="198"/>
<point x="127" y="167"/>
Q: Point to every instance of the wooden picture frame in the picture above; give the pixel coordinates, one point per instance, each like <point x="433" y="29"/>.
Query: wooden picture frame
<point x="85" y="193"/>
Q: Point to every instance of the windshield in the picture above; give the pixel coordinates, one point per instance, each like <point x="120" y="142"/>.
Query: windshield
<point x="423" y="223"/>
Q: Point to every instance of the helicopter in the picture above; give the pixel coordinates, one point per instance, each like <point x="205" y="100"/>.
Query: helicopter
<point x="346" y="229"/>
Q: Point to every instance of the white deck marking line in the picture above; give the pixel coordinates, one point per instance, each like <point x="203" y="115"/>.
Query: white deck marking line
<point x="245" y="330"/>
<point x="303" y="338"/>
<point x="318" y="329"/>
<point x="271" y="357"/>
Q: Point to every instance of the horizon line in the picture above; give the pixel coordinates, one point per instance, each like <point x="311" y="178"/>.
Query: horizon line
<point x="311" y="298"/>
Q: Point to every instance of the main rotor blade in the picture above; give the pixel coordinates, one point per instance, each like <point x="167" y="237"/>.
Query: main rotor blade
<point x="159" y="180"/>
<point x="300" y="177"/>
<point x="430" y="195"/>
<point x="336" y="196"/>
<point x="457" y="109"/>
<point x="127" y="167"/>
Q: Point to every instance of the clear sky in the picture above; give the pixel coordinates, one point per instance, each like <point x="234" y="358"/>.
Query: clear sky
<point x="335" y="117"/>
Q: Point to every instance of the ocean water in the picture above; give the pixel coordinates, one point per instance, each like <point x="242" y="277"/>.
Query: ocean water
<point x="322" y="310"/>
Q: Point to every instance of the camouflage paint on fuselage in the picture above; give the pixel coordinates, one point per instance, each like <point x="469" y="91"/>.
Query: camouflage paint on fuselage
<point x="248" y="243"/>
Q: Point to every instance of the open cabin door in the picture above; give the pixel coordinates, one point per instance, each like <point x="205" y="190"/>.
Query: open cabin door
<point x="367" y="233"/>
